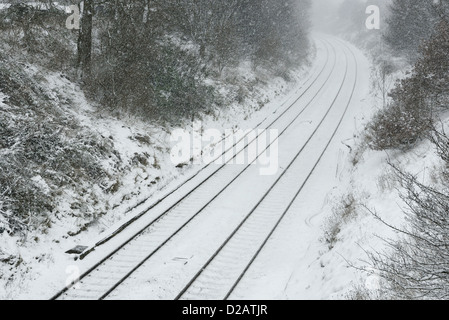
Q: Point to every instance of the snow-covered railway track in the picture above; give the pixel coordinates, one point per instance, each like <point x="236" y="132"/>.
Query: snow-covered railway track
<point x="106" y="276"/>
<point x="206" y="172"/>
<point x="219" y="277"/>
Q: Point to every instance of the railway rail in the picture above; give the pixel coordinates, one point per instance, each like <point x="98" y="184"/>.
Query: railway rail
<point x="221" y="273"/>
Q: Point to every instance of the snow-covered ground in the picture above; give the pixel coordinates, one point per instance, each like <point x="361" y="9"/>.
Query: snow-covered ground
<point x="351" y="178"/>
<point x="297" y="262"/>
<point x="41" y="267"/>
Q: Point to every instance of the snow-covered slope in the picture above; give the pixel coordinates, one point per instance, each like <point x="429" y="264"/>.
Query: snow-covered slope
<point x="140" y="169"/>
<point x="295" y="263"/>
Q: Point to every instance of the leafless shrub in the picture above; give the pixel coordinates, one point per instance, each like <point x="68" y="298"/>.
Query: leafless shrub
<point x="362" y="293"/>
<point x="356" y="155"/>
<point x="37" y="35"/>
<point x="439" y="138"/>
<point x="42" y="155"/>
<point x="398" y="126"/>
<point x="417" y="265"/>
<point x="416" y="100"/>
<point x="344" y="211"/>
<point x="387" y="181"/>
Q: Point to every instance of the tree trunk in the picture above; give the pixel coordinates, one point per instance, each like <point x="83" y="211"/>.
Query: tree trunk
<point x="85" y="40"/>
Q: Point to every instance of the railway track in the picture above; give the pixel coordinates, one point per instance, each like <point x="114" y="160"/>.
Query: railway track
<point x="215" y="279"/>
<point x="110" y="273"/>
<point x="308" y="83"/>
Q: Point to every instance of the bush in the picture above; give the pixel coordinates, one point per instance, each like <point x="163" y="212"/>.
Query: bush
<point x="416" y="100"/>
<point x="152" y="59"/>
<point x="155" y="80"/>
<point x="397" y="127"/>
<point x="417" y="265"/>
<point x="41" y="155"/>
<point x="38" y="36"/>
<point x="342" y="213"/>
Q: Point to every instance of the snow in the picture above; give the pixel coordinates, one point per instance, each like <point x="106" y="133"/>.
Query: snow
<point x="45" y="265"/>
<point x="309" y="268"/>
<point x="296" y="262"/>
<point x="275" y="265"/>
<point x="39" y="5"/>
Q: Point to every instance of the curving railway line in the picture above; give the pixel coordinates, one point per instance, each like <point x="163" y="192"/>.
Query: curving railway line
<point x="205" y="236"/>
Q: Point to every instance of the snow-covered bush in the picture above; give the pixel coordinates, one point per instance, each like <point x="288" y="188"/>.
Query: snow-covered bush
<point x="160" y="60"/>
<point x="417" y="265"/>
<point x="416" y="100"/>
<point x="343" y="212"/>
<point x="150" y="80"/>
<point x="397" y="126"/>
<point x="44" y="152"/>
<point x="410" y="22"/>
<point x="37" y="35"/>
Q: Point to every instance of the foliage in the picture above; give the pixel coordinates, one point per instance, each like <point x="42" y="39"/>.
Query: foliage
<point x="43" y="152"/>
<point x="410" y="22"/>
<point x="417" y="265"/>
<point x="152" y="58"/>
<point x="37" y="35"/>
<point x="416" y="100"/>
<point x="342" y="213"/>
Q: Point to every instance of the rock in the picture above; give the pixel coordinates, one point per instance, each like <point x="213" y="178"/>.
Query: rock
<point x="77" y="250"/>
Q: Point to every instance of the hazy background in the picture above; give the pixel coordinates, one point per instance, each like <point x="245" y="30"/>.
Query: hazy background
<point x="344" y="16"/>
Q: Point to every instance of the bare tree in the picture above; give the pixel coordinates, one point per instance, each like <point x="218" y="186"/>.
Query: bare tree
<point x="84" y="61"/>
<point x="417" y="265"/>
